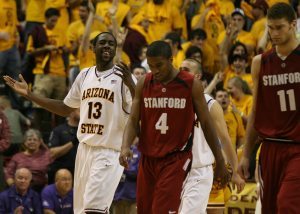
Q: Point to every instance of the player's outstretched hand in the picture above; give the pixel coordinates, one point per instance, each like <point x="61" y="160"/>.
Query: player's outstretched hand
<point x="125" y="155"/>
<point x="21" y="87"/>
<point x="243" y="168"/>
<point x="221" y="174"/>
<point x="237" y="182"/>
<point x="124" y="72"/>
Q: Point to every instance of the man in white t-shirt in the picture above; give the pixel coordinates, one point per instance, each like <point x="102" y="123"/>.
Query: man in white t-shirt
<point x="104" y="94"/>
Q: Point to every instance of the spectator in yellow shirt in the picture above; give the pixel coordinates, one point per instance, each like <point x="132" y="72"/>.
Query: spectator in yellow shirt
<point x="241" y="97"/>
<point x="175" y="42"/>
<point x="165" y="18"/>
<point x="9" y="54"/>
<point x="235" y="33"/>
<point x="233" y="120"/>
<point x="259" y="12"/>
<point x="47" y="45"/>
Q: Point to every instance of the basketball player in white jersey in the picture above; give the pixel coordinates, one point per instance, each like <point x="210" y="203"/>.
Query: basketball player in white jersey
<point x="198" y="184"/>
<point x="103" y="93"/>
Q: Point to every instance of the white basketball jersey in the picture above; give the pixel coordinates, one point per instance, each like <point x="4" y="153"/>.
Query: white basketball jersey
<point x="104" y="103"/>
<point x="202" y="154"/>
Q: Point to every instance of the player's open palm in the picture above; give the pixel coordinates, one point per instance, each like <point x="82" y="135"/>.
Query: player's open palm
<point x="21" y="87"/>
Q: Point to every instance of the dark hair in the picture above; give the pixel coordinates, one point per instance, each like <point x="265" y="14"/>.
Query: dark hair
<point x="282" y="10"/>
<point x="233" y="47"/>
<point x="51" y="12"/>
<point x="175" y="38"/>
<point x="94" y="41"/>
<point x="240" y="56"/>
<point x="200" y="33"/>
<point x="192" y="50"/>
<point x="159" y="48"/>
<point x="241" y="84"/>
<point x="84" y="3"/>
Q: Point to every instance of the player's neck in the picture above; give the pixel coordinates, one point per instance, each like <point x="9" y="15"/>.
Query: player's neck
<point x="104" y="66"/>
<point x="285" y="50"/>
<point x="172" y="76"/>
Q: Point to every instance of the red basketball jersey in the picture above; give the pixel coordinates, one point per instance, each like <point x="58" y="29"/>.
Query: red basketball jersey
<point x="167" y="115"/>
<point x="278" y="99"/>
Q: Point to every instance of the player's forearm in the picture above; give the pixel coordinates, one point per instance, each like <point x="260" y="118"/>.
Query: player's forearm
<point x="130" y="134"/>
<point x="230" y="154"/>
<point x="251" y="136"/>
<point x="54" y="106"/>
<point x="213" y="141"/>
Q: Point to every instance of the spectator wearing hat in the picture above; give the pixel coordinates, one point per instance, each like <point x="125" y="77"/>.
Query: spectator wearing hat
<point x="234" y="32"/>
<point x="259" y="12"/>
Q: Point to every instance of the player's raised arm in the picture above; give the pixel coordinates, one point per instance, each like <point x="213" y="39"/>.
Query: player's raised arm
<point x="251" y="134"/>
<point x="21" y="87"/>
<point x="203" y="116"/>
<point x="132" y="126"/>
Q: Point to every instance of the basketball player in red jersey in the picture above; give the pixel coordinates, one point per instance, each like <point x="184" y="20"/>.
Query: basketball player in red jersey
<point x="163" y="115"/>
<point x="275" y="117"/>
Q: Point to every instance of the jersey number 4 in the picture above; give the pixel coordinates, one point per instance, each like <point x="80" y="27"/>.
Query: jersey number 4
<point x="161" y="124"/>
<point x="283" y="100"/>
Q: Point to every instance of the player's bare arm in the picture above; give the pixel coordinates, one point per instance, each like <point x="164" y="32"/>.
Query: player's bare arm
<point x="217" y="115"/>
<point x="132" y="126"/>
<point x="203" y="116"/>
<point x="21" y="87"/>
<point x="251" y="134"/>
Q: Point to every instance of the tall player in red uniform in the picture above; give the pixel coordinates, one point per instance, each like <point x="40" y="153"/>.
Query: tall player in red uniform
<point x="275" y="117"/>
<point x="163" y="115"/>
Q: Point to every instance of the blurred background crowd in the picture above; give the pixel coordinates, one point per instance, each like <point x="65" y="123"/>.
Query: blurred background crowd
<point x="50" y="41"/>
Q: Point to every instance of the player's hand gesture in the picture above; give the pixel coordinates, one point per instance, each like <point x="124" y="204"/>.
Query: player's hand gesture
<point x="221" y="174"/>
<point x="243" y="168"/>
<point x="124" y="72"/>
<point x="21" y="87"/>
<point x="237" y="182"/>
<point x="125" y="156"/>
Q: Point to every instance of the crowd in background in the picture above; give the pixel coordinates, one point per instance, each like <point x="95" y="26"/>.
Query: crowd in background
<point x="50" y="41"/>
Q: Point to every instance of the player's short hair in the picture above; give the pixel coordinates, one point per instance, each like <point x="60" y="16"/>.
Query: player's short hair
<point x="282" y="10"/>
<point x="51" y="12"/>
<point x="159" y="48"/>
<point x="199" y="65"/>
<point x="94" y="41"/>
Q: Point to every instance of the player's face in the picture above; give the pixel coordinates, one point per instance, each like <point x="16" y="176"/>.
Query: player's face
<point x="280" y="30"/>
<point x="223" y="98"/>
<point x="161" y="67"/>
<point x="105" y="47"/>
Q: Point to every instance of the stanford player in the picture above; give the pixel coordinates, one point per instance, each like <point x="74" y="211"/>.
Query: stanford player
<point x="275" y="117"/>
<point x="163" y="114"/>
